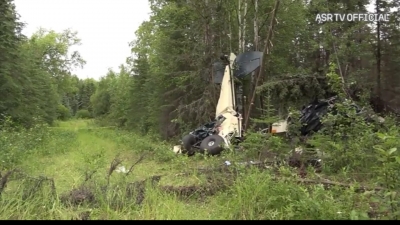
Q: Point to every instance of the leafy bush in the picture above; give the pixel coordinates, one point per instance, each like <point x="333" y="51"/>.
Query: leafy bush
<point x="17" y="143"/>
<point x="83" y="114"/>
<point x="63" y="113"/>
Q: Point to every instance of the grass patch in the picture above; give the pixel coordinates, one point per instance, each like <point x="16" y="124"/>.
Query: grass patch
<point x="82" y="162"/>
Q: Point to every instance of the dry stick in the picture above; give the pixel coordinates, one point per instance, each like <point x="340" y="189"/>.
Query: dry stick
<point x="266" y="51"/>
<point x="113" y="166"/>
<point x="5" y="178"/>
<point x="88" y="175"/>
<point x="137" y="162"/>
<point x="39" y="181"/>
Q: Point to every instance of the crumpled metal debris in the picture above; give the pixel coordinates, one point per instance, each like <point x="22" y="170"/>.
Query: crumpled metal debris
<point x="121" y="169"/>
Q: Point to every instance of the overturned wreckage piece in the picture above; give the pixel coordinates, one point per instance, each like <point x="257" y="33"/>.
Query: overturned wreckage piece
<point x="311" y="122"/>
<point x="311" y="115"/>
<point x="226" y="129"/>
<point x="213" y="137"/>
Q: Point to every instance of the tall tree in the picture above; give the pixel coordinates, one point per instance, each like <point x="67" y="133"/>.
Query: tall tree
<point x="171" y="85"/>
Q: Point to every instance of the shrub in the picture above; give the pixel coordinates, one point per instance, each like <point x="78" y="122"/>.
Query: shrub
<point x="63" y="113"/>
<point x="83" y="114"/>
<point x="17" y="143"/>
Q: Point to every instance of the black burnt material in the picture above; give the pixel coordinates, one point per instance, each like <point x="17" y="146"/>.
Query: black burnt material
<point x="311" y="115"/>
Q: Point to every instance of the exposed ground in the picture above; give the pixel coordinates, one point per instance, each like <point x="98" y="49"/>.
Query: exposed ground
<point x="77" y="175"/>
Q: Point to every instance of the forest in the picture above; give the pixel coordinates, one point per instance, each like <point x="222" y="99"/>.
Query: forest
<point x="63" y="140"/>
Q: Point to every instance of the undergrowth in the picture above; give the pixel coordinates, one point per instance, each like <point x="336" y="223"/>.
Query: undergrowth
<point x="77" y="170"/>
<point x="162" y="185"/>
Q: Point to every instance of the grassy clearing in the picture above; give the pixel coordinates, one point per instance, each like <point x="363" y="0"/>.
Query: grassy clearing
<point x="77" y="157"/>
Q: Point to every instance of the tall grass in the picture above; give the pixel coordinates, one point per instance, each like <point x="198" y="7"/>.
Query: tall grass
<point x="71" y="172"/>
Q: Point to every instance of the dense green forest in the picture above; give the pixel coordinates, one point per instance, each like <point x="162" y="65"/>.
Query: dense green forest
<point x="165" y="88"/>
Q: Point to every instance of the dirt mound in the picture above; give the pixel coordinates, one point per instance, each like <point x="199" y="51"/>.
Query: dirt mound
<point x="78" y="196"/>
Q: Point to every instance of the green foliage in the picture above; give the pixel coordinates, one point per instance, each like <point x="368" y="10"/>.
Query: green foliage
<point x="83" y="114"/>
<point x="18" y="143"/>
<point x="57" y="60"/>
<point x="63" y="113"/>
<point x="165" y="88"/>
<point x="253" y="194"/>
<point x="166" y="85"/>
<point x="258" y="196"/>
<point x="35" y="73"/>
<point x="352" y="146"/>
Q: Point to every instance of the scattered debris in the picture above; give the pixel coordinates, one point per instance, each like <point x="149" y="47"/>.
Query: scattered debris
<point x="121" y="169"/>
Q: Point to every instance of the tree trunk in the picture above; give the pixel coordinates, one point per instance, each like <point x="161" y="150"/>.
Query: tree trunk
<point x="378" y="97"/>
<point x="266" y="52"/>
<point x="239" y="14"/>
<point x="243" y="27"/>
